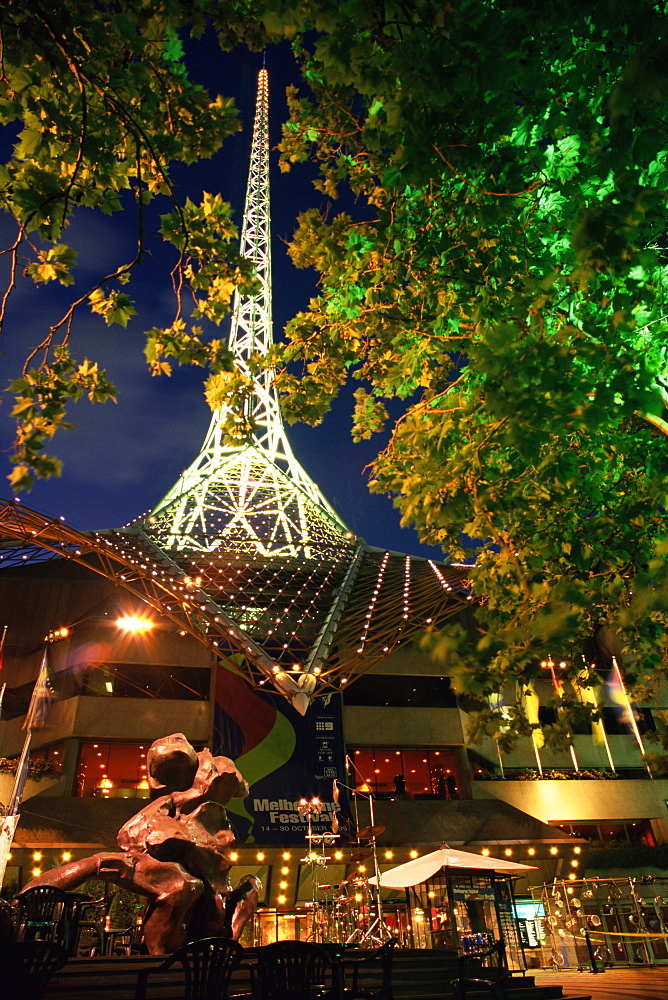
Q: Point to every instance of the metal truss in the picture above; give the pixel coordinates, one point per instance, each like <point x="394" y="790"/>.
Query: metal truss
<point x="254" y="498"/>
<point x="278" y="621"/>
<point x="244" y="553"/>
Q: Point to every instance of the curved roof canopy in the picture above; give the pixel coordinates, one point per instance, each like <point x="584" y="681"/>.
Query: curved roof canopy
<point x="419" y="870"/>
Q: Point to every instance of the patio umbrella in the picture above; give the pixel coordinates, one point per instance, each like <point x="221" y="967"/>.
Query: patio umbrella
<point x="419" y="870"/>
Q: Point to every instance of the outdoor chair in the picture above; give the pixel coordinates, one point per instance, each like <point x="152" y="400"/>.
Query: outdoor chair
<point x="295" y="970"/>
<point x="123" y="940"/>
<point x="207" y="966"/>
<point x="91" y="925"/>
<point x="7" y="924"/>
<point x="369" y="975"/>
<point x="41" y="913"/>
<point x="27" y="967"/>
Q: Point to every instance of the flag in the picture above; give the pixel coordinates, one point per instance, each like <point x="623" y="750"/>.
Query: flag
<point x="7" y="830"/>
<point x="616" y="692"/>
<point x="530" y="702"/>
<point x="586" y="691"/>
<point x="41" y="697"/>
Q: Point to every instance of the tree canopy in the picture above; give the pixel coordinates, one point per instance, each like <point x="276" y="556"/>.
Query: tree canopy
<point x="103" y="107"/>
<point x="504" y="275"/>
<point x="511" y="286"/>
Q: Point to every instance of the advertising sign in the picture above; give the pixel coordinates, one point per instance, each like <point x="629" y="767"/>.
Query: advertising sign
<point x="284" y="757"/>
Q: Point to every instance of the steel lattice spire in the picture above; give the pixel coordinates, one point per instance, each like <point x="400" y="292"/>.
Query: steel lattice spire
<point x="266" y="570"/>
<point x="253" y="499"/>
<point x="244" y="553"/>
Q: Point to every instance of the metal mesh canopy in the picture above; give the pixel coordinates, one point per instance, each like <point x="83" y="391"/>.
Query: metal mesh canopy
<point x="328" y="619"/>
<point x="245" y="505"/>
<point x="244" y="552"/>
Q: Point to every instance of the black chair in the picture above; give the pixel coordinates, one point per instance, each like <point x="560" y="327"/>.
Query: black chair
<point x="91" y="925"/>
<point x="207" y="966"/>
<point x="41" y="913"/>
<point x="7" y="924"/>
<point x="123" y="940"/>
<point x="295" y="970"/>
<point x="369" y="975"/>
<point x="27" y="967"/>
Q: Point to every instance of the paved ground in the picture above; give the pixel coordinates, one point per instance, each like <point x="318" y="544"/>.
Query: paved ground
<point x="613" y="984"/>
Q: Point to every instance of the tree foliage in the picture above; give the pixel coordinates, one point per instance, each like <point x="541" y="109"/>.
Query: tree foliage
<point x="102" y="106"/>
<point x="504" y="275"/>
<point x="510" y="284"/>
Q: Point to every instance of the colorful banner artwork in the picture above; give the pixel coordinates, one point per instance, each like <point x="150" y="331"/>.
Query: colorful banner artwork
<point x="283" y="756"/>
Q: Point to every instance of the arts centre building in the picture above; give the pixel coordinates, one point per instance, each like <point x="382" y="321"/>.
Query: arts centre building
<point x="242" y="613"/>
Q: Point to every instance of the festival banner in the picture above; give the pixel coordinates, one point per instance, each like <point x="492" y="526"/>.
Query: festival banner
<point x="284" y="757"/>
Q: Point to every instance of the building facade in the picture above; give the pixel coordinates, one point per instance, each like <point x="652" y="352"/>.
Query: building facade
<point x="242" y="613"/>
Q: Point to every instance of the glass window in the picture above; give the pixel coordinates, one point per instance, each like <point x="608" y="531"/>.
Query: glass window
<point x="112" y="770"/>
<point x="144" y="680"/>
<point x="117" y="680"/>
<point x="48" y="760"/>
<point x="638" y="833"/>
<point x="410" y="771"/>
<point x="399" y="690"/>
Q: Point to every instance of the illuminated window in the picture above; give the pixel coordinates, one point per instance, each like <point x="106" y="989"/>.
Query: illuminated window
<point x="112" y="771"/>
<point x="50" y="759"/>
<point x="145" y="680"/>
<point x="415" y="772"/>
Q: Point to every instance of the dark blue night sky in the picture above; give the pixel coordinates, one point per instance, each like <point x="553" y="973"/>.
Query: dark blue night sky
<point x="121" y="459"/>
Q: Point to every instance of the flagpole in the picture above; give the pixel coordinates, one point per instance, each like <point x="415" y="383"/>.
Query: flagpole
<point x="498" y="753"/>
<point x="20" y="777"/>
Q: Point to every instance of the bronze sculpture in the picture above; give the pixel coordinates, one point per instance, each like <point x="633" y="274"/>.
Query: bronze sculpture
<point x="174" y="851"/>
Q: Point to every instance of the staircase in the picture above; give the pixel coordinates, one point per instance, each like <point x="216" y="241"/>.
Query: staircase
<point x="423" y="974"/>
<point x="416" y="975"/>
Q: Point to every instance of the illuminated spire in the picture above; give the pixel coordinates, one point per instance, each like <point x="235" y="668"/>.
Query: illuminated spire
<point x="251" y="499"/>
<point x="270" y="573"/>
